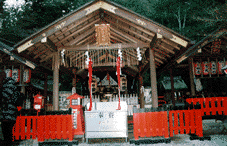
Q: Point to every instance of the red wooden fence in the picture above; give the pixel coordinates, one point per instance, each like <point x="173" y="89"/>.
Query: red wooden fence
<point x="150" y="124"/>
<point x="43" y="127"/>
<point x="186" y="121"/>
<point x="210" y="105"/>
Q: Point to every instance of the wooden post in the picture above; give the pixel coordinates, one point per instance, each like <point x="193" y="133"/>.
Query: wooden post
<point x="45" y="85"/>
<point x="153" y="79"/>
<point x="172" y="86"/>
<point x="22" y="79"/>
<point x="74" y="84"/>
<point x="141" y="92"/>
<point x="191" y="75"/>
<point x="56" y="82"/>
<point x="45" y="90"/>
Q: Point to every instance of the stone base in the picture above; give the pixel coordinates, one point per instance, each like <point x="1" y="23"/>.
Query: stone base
<point x="58" y="142"/>
<point x="150" y="140"/>
<point x="195" y="137"/>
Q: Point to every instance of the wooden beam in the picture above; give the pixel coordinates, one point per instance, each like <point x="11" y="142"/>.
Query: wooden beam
<point x="161" y="52"/>
<point x="80" y="30"/>
<point x="92" y="37"/>
<point x="118" y="25"/>
<point x="159" y="56"/>
<point x="110" y="47"/>
<point x="115" y="38"/>
<point x="139" y="20"/>
<point x="131" y="38"/>
<point x="132" y="24"/>
<point x="174" y="45"/>
<point x="78" y="38"/>
<point x="120" y="37"/>
<point x="77" y="23"/>
<point x="46" y="58"/>
<point x="158" y="60"/>
<point x="166" y="49"/>
<point x="54" y="27"/>
<point x="51" y="45"/>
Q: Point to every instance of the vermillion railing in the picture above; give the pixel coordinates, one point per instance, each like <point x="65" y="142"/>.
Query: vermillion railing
<point x="43" y="127"/>
<point x="210" y="105"/>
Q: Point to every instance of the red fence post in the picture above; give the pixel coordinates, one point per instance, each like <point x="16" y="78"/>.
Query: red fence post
<point x="142" y="125"/>
<point x="28" y="132"/>
<point x="192" y="121"/>
<point x="165" y="129"/>
<point x="213" y="108"/>
<point x="148" y="124"/>
<point x="58" y="123"/>
<point x="70" y="118"/>
<point x="64" y="128"/>
<point x="181" y="112"/>
<point x="187" y="121"/>
<point x="34" y="128"/>
<point x="199" y="125"/>
<point x="171" y="123"/>
<point x="136" y="127"/>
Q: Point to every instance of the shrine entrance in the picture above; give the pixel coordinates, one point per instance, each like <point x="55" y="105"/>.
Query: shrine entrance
<point x="102" y="31"/>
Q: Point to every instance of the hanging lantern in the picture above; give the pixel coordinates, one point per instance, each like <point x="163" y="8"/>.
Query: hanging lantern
<point x="27" y="75"/>
<point x="8" y="73"/>
<point x="197" y="68"/>
<point x="213" y="67"/>
<point x="220" y="65"/>
<point x="16" y="75"/>
<point x="205" y="67"/>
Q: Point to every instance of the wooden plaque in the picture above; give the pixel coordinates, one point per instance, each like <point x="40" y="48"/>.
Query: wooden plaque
<point x="102" y="34"/>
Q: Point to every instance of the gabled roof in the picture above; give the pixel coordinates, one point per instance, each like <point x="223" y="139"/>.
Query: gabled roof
<point x="75" y="33"/>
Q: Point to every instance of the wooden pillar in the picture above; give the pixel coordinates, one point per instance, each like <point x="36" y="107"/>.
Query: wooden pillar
<point x="74" y="84"/>
<point x="172" y="86"/>
<point x="45" y="90"/>
<point x="22" y="79"/>
<point x="153" y="79"/>
<point x="56" y="81"/>
<point x="141" y="91"/>
<point x="45" y="85"/>
<point x="191" y="75"/>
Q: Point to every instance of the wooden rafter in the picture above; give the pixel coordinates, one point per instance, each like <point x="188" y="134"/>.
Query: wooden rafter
<point x="80" y="30"/>
<point x="122" y="20"/>
<point x="119" y="37"/>
<point x="112" y="46"/>
<point x="115" y="38"/>
<point x="77" y="23"/>
<point x="119" y="25"/>
<point x="91" y="37"/>
<point x="80" y="37"/>
<point x="150" y="26"/>
<point x="126" y="35"/>
<point x="174" y="45"/>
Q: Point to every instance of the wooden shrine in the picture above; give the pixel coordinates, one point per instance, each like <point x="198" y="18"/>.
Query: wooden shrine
<point x="103" y="30"/>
